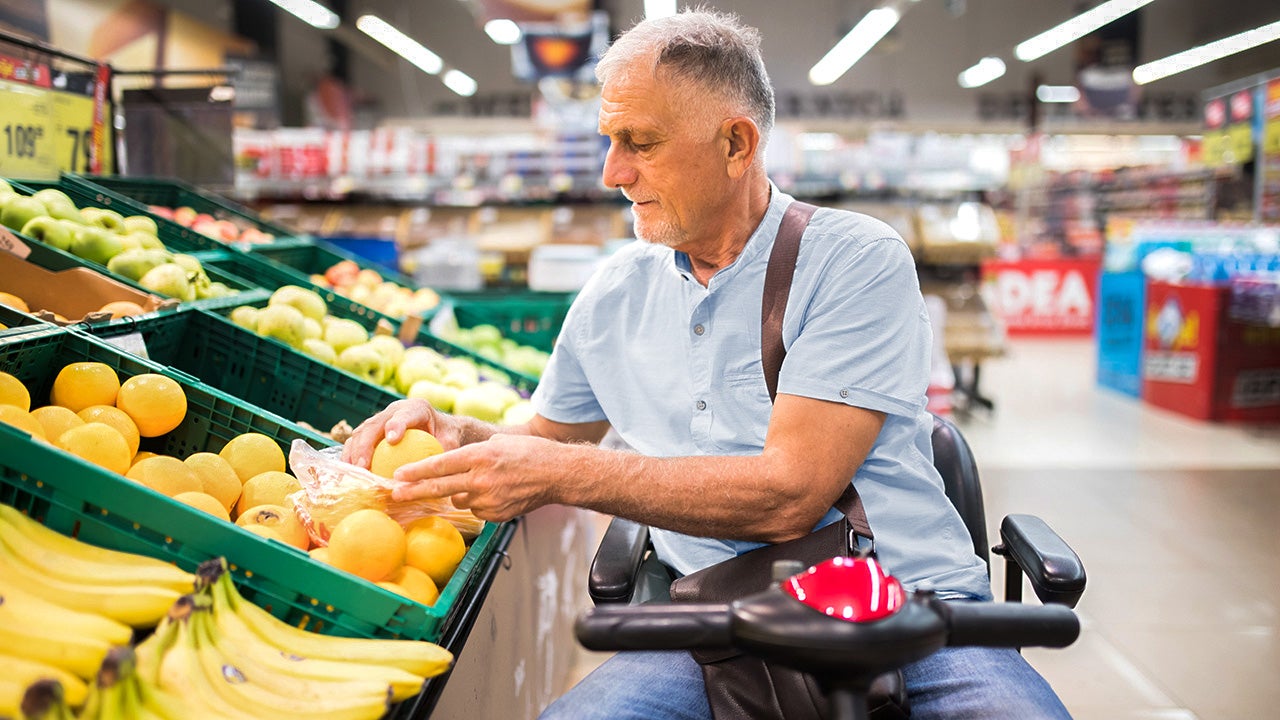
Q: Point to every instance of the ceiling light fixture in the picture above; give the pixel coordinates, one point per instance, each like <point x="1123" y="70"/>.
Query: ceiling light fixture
<point x="1075" y="28"/>
<point x="460" y="82"/>
<point x="503" y="31"/>
<point x="1203" y="54"/>
<point x="312" y="13"/>
<point x="401" y="44"/>
<point x="870" y="29"/>
<point x="659" y="8"/>
<point x="984" y="71"/>
<point x="1058" y="93"/>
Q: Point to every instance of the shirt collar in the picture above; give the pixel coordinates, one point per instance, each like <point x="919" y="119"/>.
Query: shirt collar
<point x="760" y="240"/>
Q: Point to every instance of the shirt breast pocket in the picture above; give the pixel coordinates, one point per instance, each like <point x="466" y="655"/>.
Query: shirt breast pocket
<point x="741" y="416"/>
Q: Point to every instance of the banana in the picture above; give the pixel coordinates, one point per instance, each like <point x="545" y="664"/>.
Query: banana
<point x="74" y="567"/>
<point x="11" y="692"/>
<point x="17" y="606"/>
<point x="180" y="676"/>
<point x="134" y="605"/>
<point x="27" y="671"/>
<point x="158" y="704"/>
<point x="236" y="639"/>
<point x="43" y="700"/>
<point x="56" y="541"/>
<point x="226" y="676"/>
<point x="55" y="646"/>
<point x="420" y="658"/>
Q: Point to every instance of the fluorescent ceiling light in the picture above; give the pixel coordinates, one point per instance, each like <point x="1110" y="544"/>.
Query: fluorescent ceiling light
<point x="875" y="25"/>
<point x="503" y="31"/>
<point x="659" y="8"/>
<point x="312" y="13"/>
<point x="1075" y="28"/>
<point x="984" y="71"/>
<point x="1057" y="93"/>
<point x="401" y="44"/>
<point x="1202" y="54"/>
<point x="460" y="82"/>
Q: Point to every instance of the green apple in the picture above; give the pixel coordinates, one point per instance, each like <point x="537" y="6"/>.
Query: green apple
<point x="441" y="397"/>
<point x="364" y="361"/>
<point x="213" y="290"/>
<point x="518" y="413"/>
<point x="95" y="244"/>
<point x="284" y="323"/>
<point x="136" y="263"/>
<point x="169" y="279"/>
<point x="147" y="240"/>
<point x="481" y="403"/>
<point x="390" y="347"/>
<point x="141" y="223"/>
<point x="416" y="367"/>
<point x="21" y="210"/>
<point x="59" y="204"/>
<point x="307" y="301"/>
<point x="460" y="372"/>
<point x="246" y="316"/>
<point x="103" y="218"/>
<point x="319" y="350"/>
<point x="50" y="231"/>
<point x="342" y="333"/>
<point x="314" y="331"/>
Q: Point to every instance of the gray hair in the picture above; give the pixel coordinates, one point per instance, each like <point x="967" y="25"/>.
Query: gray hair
<point x="713" y="50"/>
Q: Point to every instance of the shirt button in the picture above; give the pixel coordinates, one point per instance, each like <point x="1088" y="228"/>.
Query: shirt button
<point x="844" y="393"/>
<point x="698" y="330"/>
<point x="702" y="405"/>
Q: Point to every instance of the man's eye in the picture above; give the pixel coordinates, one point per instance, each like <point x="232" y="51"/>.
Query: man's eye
<point x="642" y="146"/>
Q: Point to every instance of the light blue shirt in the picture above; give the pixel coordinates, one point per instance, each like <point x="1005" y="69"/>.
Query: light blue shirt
<point x="675" y="369"/>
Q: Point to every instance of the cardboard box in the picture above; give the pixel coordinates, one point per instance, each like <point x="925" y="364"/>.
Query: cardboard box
<point x="1200" y="362"/>
<point x="77" y="294"/>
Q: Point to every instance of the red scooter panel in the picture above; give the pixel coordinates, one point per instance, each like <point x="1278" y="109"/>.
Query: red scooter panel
<point x="853" y="589"/>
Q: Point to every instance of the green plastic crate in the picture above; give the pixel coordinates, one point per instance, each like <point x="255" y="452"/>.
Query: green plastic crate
<point x="313" y="257"/>
<point x="172" y="193"/>
<point x="80" y="499"/>
<point x="529" y="318"/>
<point x="257" y="370"/>
<point x="17" y="322"/>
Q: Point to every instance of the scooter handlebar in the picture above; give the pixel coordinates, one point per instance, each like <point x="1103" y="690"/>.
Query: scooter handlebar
<point x="691" y="626"/>
<point x="1008" y="624"/>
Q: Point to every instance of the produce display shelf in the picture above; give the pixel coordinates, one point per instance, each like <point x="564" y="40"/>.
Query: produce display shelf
<point x="81" y="499"/>
<point x="255" y="369"/>
<point x="173" y="193"/>
<point x="529" y="318"/>
<point x="315" y="256"/>
<point x="51" y="258"/>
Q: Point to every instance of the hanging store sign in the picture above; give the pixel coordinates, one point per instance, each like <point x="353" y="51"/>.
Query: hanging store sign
<point x="45" y="131"/>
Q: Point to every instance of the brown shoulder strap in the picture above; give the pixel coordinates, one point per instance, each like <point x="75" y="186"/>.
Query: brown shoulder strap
<point x="777" y="288"/>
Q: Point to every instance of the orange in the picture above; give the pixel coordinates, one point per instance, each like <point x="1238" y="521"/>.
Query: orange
<point x="155" y="402"/>
<point x="167" y="475"/>
<point x="367" y="543"/>
<point x="414" y="446"/>
<point x="116" y="418"/>
<point x="14" y="302"/>
<point x="82" y="384"/>
<point x="418" y="586"/>
<point x="434" y="546"/>
<point x="217" y="477"/>
<point x="13" y="392"/>
<point x="98" y="443"/>
<point x="268" y="488"/>
<point x="56" y="420"/>
<point x="320" y="554"/>
<point x="122" y="308"/>
<point x="280" y="520"/>
<point x="140" y="456"/>
<point x="205" y="502"/>
<point x="252" y="453"/>
<point x="21" y="419"/>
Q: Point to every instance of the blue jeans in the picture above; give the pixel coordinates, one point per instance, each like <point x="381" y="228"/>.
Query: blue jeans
<point x="952" y="684"/>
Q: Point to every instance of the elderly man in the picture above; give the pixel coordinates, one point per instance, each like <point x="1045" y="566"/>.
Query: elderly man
<point x="663" y="346"/>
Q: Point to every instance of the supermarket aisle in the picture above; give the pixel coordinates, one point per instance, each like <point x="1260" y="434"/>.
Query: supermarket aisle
<point x="1174" y="520"/>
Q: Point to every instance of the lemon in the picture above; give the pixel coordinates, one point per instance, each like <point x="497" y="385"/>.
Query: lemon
<point x="98" y="443"/>
<point x="367" y="543"/>
<point x="116" y="418"/>
<point x="252" y="453"/>
<point x="418" y="586"/>
<point x="268" y="488"/>
<point x="21" y="419"/>
<point x="167" y="475"/>
<point x="82" y="384"/>
<point x="413" y="446"/>
<point x="217" y="477"/>
<point x="205" y="502"/>
<point x="56" y="420"/>
<point x="280" y="520"/>
<point x="434" y="546"/>
<point x="13" y="392"/>
<point x="156" y="403"/>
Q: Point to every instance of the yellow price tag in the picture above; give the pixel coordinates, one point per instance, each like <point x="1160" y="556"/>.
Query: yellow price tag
<point x="73" y="134"/>
<point x="1271" y="138"/>
<point x="26" y="142"/>
<point x="1213" y="147"/>
<point x="1240" y="141"/>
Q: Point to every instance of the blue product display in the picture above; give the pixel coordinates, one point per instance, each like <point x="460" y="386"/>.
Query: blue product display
<point x="1119" y="331"/>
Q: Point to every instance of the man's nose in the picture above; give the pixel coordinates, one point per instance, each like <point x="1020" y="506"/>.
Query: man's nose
<point x="618" y="172"/>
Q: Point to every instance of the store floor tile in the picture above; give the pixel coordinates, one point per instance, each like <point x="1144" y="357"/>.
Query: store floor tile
<point x="1175" y="522"/>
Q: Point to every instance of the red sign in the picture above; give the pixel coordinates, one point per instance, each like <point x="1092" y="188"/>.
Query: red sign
<point x="1042" y="297"/>
<point x="1215" y="114"/>
<point x="1242" y="106"/>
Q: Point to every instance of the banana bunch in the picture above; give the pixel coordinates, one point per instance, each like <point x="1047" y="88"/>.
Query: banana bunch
<point x="42" y="700"/>
<point x="223" y="657"/>
<point x="127" y="588"/>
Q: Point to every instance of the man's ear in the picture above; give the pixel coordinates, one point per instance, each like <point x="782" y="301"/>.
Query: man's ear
<point x="742" y="140"/>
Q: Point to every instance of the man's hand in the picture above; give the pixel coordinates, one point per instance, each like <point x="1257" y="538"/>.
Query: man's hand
<point x="498" y="479"/>
<point x="391" y="424"/>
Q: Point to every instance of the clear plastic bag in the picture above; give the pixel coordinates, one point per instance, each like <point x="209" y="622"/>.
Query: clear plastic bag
<point x="333" y="489"/>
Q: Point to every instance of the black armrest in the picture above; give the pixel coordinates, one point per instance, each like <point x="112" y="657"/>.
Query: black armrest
<point x="1054" y="569"/>
<point x="617" y="562"/>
